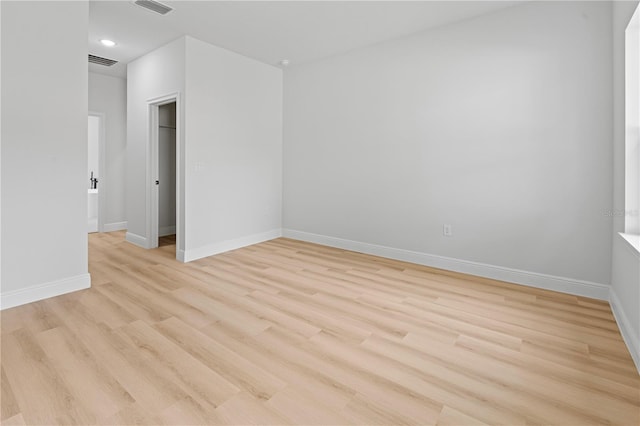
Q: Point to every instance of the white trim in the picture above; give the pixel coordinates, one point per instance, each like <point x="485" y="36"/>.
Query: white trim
<point x="115" y="226"/>
<point x="531" y="279"/>
<point x="136" y="239"/>
<point x="628" y="334"/>
<point x="166" y="230"/>
<point x="223" y="246"/>
<point x="37" y="292"/>
<point x="152" y="175"/>
<point x="180" y="255"/>
<point x="92" y="225"/>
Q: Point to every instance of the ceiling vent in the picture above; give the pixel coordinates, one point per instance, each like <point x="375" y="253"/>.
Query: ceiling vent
<point x="154" y="6"/>
<point x="101" y="61"/>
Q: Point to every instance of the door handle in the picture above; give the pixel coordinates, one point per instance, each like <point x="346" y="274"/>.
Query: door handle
<point x="157" y="182"/>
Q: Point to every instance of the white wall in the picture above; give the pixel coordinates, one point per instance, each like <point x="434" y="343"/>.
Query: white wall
<point x="625" y="278"/>
<point x="499" y="126"/>
<point x="233" y="109"/>
<point x="44" y="150"/>
<point x="625" y="294"/>
<point x="158" y="73"/>
<point x="232" y="145"/>
<point x="108" y="95"/>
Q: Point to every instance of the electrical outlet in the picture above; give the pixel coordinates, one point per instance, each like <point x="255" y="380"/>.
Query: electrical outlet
<point x="447" y="230"/>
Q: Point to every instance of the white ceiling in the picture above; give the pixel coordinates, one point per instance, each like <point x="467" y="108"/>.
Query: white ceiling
<point x="269" y="31"/>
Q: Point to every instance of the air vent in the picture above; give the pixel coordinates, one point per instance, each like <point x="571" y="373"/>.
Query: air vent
<point x="154" y="6"/>
<point x="101" y="61"/>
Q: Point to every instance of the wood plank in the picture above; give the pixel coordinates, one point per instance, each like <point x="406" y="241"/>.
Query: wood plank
<point x="195" y="379"/>
<point x="39" y="388"/>
<point x="289" y="332"/>
<point x="230" y="365"/>
<point x="9" y="405"/>
<point x="244" y="409"/>
<point x="88" y="381"/>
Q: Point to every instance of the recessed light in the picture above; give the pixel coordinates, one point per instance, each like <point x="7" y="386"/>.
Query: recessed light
<point x="108" y="43"/>
<point x="284" y="62"/>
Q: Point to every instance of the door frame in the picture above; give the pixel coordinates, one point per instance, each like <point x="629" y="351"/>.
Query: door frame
<point x="102" y="164"/>
<point x="153" y="106"/>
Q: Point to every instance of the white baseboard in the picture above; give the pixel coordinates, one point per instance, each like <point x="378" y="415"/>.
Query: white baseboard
<point x="115" y="226"/>
<point x="531" y="279"/>
<point x="166" y="230"/>
<point x="628" y="334"/>
<point x="136" y="239"/>
<point x="223" y="246"/>
<point x="37" y="292"/>
<point x="180" y="255"/>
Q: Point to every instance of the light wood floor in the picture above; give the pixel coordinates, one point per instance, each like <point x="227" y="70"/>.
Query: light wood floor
<point x="286" y="332"/>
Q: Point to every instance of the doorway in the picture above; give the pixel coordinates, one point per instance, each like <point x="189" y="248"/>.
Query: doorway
<point x="164" y="179"/>
<point x="95" y="171"/>
<point x="167" y="174"/>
